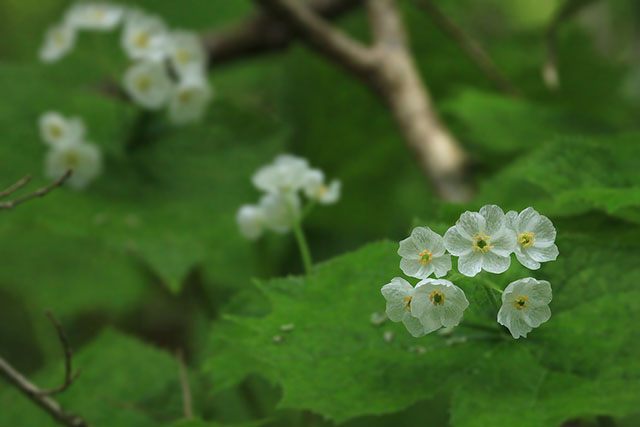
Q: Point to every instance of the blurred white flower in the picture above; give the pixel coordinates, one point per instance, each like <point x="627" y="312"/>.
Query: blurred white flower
<point x="482" y="241"/>
<point x="144" y="36"/>
<point x="58" y="41"/>
<point x="101" y="16"/>
<point x="148" y="84"/>
<point x="186" y="52"/>
<point x="536" y="237"/>
<point x="400" y="299"/>
<point x="437" y="303"/>
<point x="84" y="159"/>
<point x="55" y="129"/>
<point x="251" y="221"/>
<point x="280" y="211"/>
<point x="525" y="305"/>
<point x="286" y="174"/>
<point x="423" y="253"/>
<point x="189" y="99"/>
<point x="315" y="187"/>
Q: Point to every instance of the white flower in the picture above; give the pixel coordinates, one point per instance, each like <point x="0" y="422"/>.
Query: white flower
<point x="251" y="221"/>
<point x="287" y="173"/>
<point x="316" y="189"/>
<point x="148" y="84"/>
<point x="56" y="129"/>
<point x="482" y="241"/>
<point x="399" y="295"/>
<point x="189" y="99"/>
<point x="536" y="237"/>
<point x="144" y="36"/>
<point x="280" y="211"/>
<point x="186" y="53"/>
<point x="58" y="41"/>
<point x="100" y="16"/>
<point x="437" y="303"/>
<point x="85" y="160"/>
<point x="525" y="305"/>
<point x="423" y="253"/>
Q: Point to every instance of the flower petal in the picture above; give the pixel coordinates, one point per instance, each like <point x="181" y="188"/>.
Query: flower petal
<point x="527" y="219"/>
<point x="536" y="316"/>
<point x="494" y="263"/>
<point x="510" y="219"/>
<point x="543" y="231"/>
<point x="470" y="264"/>
<point x="539" y="291"/>
<point x="470" y="223"/>
<point x="527" y="261"/>
<point x="441" y="265"/>
<point x="494" y="218"/>
<point x="420" y="302"/>
<point x="539" y="254"/>
<point x="395" y="292"/>
<point x="414" y="326"/>
<point x="430" y="320"/>
<point x="457" y="244"/>
<point x="503" y="242"/>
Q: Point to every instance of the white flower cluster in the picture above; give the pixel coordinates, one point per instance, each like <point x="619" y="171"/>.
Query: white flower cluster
<point x="482" y="240"/>
<point x="69" y="150"/>
<point x="168" y="66"/>
<point x="279" y="208"/>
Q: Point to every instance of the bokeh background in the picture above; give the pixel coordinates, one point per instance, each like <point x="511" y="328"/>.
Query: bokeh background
<point x="148" y="259"/>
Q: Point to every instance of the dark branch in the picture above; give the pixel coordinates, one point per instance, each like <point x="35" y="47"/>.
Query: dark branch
<point x="15" y="186"/>
<point x="38" y="193"/>
<point x="69" y="376"/>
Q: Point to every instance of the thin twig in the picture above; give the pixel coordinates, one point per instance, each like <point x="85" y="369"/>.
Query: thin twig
<point x="15" y="186"/>
<point x="40" y="397"/>
<point x="184" y="384"/>
<point x="69" y="376"/>
<point x="389" y="70"/>
<point x="477" y="54"/>
<point x="38" y="193"/>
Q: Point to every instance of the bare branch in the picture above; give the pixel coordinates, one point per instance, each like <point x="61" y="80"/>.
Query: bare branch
<point x="184" y="384"/>
<point x="550" y="72"/>
<point x="41" y="397"/>
<point x="15" y="186"/>
<point x="477" y="54"/>
<point x="262" y="32"/>
<point x="38" y="193"/>
<point x="321" y="35"/>
<point x="69" y="376"/>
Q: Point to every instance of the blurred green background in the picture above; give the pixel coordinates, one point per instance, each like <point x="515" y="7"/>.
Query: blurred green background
<point x="148" y="259"/>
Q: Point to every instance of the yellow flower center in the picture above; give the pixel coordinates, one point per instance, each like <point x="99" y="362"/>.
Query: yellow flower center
<point x="437" y="298"/>
<point x="185" y="96"/>
<point x="521" y="302"/>
<point x="526" y="239"/>
<point x="183" y="56"/>
<point x="425" y="257"/>
<point x="98" y="14"/>
<point x="407" y="303"/>
<point x="481" y="242"/>
<point x="141" y="40"/>
<point x="71" y="158"/>
<point x="55" y="130"/>
<point x="59" y="38"/>
<point x="143" y="83"/>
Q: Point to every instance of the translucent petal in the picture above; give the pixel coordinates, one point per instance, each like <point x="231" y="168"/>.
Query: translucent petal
<point x="527" y="219"/>
<point x="414" y="326"/>
<point x="539" y="291"/>
<point x="510" y="219"/>
<point x="409" y="266"/>
<point x="456" y="243"/>
<point x="431" y="320"/>
<point x="420" y="303"/>
<point x="470" y="223"/>
<point x="470" y="264"/>
<point x="494" y="263"/>
<point x="543" y="231"/>
<point x="441" y="265"/>
<point x="527" y="261"/>
<point x="536" y="316"/>
<point x="518" y="327"/>
<point x="395" y="292"/>
<point x="503" y="242"/>
<point x="494" y="218"/>
<point x="543" y="254"/>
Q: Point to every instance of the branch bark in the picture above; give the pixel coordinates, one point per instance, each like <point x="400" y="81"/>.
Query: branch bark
<point x="41" y="397"/>
<point x="38" y="193"/>
<point x="388" y="68"/>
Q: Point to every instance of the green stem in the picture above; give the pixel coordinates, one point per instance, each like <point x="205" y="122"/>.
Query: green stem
<point x="491" y="297"/>
<point x="492" y="285"/>
<point x="303" y="247"/>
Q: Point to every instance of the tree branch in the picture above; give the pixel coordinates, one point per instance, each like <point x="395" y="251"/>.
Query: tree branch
<point x="477" y="54"/>
<point x="15" y="187"/>
<point x="388" y="68"/>
<point x="263" y="33"/>
<point x="38" y="193"/>
<point x="41" y="397"/>
<point x="69" y="376"/>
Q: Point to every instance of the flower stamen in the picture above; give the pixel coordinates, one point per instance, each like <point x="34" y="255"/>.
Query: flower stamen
<point x="521" y="302"/>
<point x="437" y="298"/>
<point x="425" y="257"/>
<point x="407" y="303"/>
<point x="481" y="242"/>
<point x="526" y="239"/>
